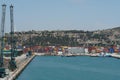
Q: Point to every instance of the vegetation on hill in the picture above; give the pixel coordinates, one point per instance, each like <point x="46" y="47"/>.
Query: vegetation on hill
<point x="67" y="38"/>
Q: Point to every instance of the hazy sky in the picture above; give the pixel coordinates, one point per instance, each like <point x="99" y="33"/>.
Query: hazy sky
<point x="63" y="14"/>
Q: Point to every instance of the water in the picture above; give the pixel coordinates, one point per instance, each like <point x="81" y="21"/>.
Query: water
<point x="72" y="68"/>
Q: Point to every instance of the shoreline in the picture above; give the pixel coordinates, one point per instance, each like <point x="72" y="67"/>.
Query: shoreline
<point x="13" y="75"/>
<point x="114" y="55"/>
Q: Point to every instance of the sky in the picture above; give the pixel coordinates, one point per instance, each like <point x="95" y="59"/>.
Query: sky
<point x="85" y="15"/>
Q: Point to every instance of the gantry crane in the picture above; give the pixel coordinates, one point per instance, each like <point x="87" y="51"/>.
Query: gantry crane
<point x="12" y="64"/>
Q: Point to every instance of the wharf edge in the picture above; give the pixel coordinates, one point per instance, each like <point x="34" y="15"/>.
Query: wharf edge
<point x="19" y="70"/>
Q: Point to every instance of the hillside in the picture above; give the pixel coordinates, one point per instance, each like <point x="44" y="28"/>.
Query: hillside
<point x="67" y="37"/>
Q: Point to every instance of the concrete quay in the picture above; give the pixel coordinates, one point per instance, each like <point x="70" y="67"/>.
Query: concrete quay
<point x="115" y="55"/>
<point x="22" y="62"/>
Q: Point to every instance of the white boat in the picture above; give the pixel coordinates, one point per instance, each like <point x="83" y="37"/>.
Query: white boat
<point x="102" y="54"/>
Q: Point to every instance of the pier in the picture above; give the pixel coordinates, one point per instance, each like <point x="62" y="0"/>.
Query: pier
<point x="22" y="62"/>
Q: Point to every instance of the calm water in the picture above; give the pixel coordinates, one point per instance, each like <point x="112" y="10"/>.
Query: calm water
<point x="72" y="68"/>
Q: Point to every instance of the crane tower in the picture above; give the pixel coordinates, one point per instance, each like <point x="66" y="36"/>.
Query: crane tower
<point x="12" y="61"/>
<point x="2" y="34"/>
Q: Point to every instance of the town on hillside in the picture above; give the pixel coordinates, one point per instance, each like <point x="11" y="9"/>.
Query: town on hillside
<point x="53" y="41"/>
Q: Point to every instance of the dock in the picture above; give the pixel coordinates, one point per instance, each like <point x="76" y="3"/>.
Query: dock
<point x="116" y="55"/>
<point x="22" y="63"/>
